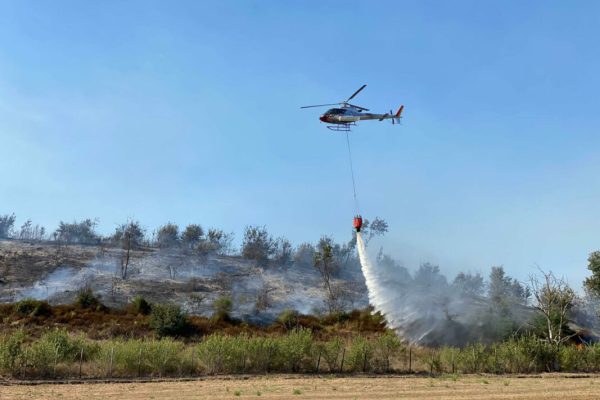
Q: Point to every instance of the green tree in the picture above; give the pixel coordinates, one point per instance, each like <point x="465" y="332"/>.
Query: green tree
<point x="6" y="225"/>
<point x="592" y="283"/>
<point x="258" y="245"/>
<point x="168" y="235"/>
<point x="191" y="235"/>
<point x="78" y="232"/>
<point x="325" y="262"/>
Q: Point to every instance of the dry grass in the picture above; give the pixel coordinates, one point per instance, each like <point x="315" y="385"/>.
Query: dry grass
<point x="547" y="386"/>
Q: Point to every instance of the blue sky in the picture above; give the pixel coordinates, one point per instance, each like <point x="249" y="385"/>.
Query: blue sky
<point x="189" y="112"/>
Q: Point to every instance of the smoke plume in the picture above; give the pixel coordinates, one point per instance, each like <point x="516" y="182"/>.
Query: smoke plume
<point x="425" y="309"/>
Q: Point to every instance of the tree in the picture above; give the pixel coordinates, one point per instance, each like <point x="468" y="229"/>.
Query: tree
<point x="502" y="289"/>
<point x="6" y="225"/>
<point x="129" y="235"/>
<point x="553" y="299"/>
<point x="469" y="285"/>
<point x="325" y="262"/>
<point x="215" y="241"/>
<point x="258" y="245"/>
<point x="592" y="283"/>
<point x="191" y="236"/>
<point x="78" y="232"/>
<point x="371" y="229"/>
<point x="282" y="252"/>
<point x="168" y="235"/>
<point x="304" y="255"/>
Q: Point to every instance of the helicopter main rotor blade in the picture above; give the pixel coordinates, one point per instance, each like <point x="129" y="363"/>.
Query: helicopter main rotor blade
<point x="357" y="107"/>
<point x="357" y="92"/>
<point x="321" y="105"/>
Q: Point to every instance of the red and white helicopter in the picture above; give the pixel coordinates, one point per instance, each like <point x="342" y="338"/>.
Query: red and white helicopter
<point x="341" y="119"/>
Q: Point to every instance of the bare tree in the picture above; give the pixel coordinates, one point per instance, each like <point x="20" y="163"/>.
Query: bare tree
<point x="324" y="261"/>
<point x="553" y="299"/>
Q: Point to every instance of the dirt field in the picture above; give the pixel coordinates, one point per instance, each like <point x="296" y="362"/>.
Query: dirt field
<point x="448" y="387"/>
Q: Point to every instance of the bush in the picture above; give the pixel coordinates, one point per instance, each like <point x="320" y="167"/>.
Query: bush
<point x="87" y="299"/>
<point x="167" y="320"/>
<point x="331" y="351"/>
<point x="32" y="307"/>
<point x="360" y="354"/>
<point x="220" y="353"/>
<point x="11" y="351"/>
<point x="387" y="346"/>
<point x="288" y="318"/>
<point x="54" y="347"/>
<point x="294" y="348"/>
<point x="140" y="305"/>
<point x="222" y="308"/>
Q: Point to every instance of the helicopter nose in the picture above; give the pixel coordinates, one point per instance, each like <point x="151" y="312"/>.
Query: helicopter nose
<point x="323" y="118"/>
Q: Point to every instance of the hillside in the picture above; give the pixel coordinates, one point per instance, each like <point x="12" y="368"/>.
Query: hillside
<point x="56" y="272"/>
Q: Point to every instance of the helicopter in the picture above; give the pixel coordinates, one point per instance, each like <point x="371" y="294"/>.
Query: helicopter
<point x="343" y="118"/>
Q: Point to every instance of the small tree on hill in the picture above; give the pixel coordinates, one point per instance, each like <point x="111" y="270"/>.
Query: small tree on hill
<point x="282" y="252"/>
<point x="191" y="236"/>
<point x="6" y="225"/>
<point x="168" y="235"/>
<point x="129" y="235"/>
<point x="304" y="255"/>
<point x="258" y="245"/>
<point x="216" y="241"/>
<point x="324" y="261"/>
<point x="78" y="232"/>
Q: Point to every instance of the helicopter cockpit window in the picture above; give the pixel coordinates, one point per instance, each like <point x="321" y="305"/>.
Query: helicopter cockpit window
<point x="336" y="111"/>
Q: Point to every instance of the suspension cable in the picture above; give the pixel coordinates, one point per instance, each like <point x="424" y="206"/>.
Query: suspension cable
<point x="352" y="172"/>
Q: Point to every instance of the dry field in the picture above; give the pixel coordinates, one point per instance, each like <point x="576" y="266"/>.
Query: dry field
<point x="549" y="386"/>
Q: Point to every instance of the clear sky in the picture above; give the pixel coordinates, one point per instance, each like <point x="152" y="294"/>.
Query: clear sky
<point x="188" y="111"/>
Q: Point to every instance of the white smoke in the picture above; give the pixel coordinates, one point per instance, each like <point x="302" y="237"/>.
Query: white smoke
<point x="425" y="309"/>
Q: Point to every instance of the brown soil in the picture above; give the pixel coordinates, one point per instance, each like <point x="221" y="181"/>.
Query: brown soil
<point x="548" y="386"/>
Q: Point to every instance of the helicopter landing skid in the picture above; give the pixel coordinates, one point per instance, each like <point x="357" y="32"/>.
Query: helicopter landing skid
<point x="341" y="127"/>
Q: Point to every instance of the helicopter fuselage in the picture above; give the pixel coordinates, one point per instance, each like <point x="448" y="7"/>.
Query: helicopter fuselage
<point x="349" y="115"/>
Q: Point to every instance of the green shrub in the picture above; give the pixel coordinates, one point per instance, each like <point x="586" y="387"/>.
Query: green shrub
<point x="11" y="352"/>
<point x="167" y="320"/>
<point x="288" y="318"/>
<point x="262" y="353"/>
<point x="87" y="299"/>
<point x="294" y="348"/>
<point x="164" y="355"/>
<point x="53" y="347"/>
<point x="387" y="346"/>
<point x="32" y="307"/>
<point x="332" y="353"/>
<point x="571" y="358"/>
<point x="472" y="358"/>
<point x="360" y="354"/>
<point x="140" y="305"/>
<point x="222" y="308"/>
